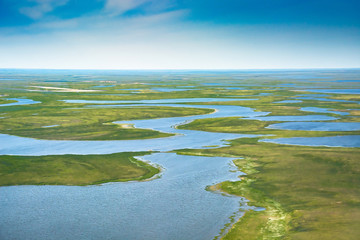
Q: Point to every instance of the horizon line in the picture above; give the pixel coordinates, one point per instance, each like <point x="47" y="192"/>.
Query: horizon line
<point x="186" y="69"/>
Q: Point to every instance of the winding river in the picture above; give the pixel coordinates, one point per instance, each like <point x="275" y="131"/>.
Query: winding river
<point x="174" y="206"/>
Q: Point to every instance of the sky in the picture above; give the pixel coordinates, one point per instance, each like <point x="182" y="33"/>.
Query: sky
<point x="179" y="34"/>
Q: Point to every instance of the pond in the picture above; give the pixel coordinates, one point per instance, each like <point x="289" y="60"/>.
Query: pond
<point x="317" y="126"/>
<point x="19" y="101"/>
<point x="322" y="110"/>
<point x="335" y="141"/>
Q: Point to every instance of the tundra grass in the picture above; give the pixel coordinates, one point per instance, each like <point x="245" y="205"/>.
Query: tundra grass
<point x="85" y="123"/>
<point x="73" y="169"/>
<point x="5" y="101"/>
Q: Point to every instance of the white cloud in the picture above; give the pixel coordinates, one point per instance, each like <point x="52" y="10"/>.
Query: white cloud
<point x="41" y="8"/>
<point x="118" y="7"/>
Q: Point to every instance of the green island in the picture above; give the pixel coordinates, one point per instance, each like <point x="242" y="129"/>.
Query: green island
<point x="70" y="169"/>
<point x="6" y="101"/>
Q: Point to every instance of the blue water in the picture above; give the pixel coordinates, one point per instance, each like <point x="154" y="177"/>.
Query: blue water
<point x="130" y="89"/>
<point x="295" y="85"/>
<point x="50" y="126"/>
<point x="212" y="84"/>
<point x="289" y="101"/>
<point x="352" y="81"/>
<point x="317" y="126"/>
<point x="295" y="118"/>
<point x="314" y="95"/>
<point x="336" y="141"/>
<point x="175" y="100"/>
<point x="234" y="88"/>
<point x="104" y="86"/>
<point x="19" y="101"/>
<point x="322" y="110"/>
<point x="170" y="89"/>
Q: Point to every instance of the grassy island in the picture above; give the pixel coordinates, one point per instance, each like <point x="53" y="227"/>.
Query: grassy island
<point x="73" y="169"/>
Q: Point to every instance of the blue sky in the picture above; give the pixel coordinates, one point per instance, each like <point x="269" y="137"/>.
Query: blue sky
<point x="179" y="34"/>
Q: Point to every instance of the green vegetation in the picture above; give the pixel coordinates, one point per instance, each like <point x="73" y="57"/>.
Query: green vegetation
<point x="5" y="101"/>
<point x="85" y="123"/>
<point x="73" y="169"/>
<point x="349" y="97"/>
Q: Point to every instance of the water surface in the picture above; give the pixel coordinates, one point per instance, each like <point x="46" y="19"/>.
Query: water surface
<point x="295" y="118"/>
<point x="19" y="101"/>
<point x="335" y="141"/>
<point x="154" y="101"/>
<point x="317" y="126"/>
<point x="289" y="101"/>
<point x="322" y="110"/>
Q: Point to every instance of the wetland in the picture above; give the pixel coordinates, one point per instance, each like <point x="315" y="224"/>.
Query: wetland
<point x="180" y="155"/>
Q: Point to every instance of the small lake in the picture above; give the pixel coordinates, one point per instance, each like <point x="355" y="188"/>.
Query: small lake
<point x="322" y="110"/>
<point x="335" y="141"/>
<point x="170" y="89"/>
<point x="162" y="101"/>
<point x="19" y="101"/>
<point x="104" y="86"/>
<point x="317" y="126"/>
<point x="289" y="101"/>
<point x="295" y="118"/>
